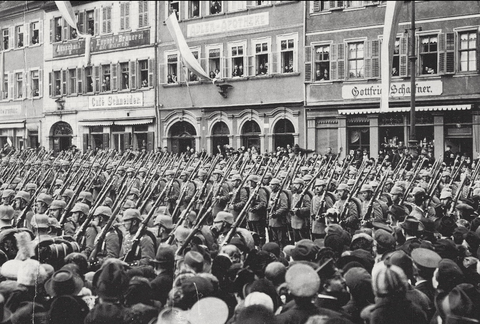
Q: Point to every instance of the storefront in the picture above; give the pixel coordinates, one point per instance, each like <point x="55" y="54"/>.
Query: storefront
<point x="61" y="134"/>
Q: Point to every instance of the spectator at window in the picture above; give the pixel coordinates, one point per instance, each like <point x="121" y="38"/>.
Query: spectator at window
<point x="262" y="69"/>
<point x="192" y="77"/>
<point x="34" y="40"/>
<point x="236" y="71"/>
<point x="211" y="75"/>
<point x="144" y="83"/>
<point x="74" y="33"/>
<point x="195" y="10"/>
<point x="58" y="38"/>
<point x="394" y="71"/>
<point x="217" y="73"/>
<point x="216" y="7"/>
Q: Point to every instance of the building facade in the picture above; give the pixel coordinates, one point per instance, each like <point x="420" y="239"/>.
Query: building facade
<point x="253" y="50"/>
<point x="21" y="72"/>
<point x="105" y="99"/>
<point x="343" y="41"/>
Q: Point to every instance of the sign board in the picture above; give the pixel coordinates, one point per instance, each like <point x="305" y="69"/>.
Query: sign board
<point x="397" y="90"/>
<point x="116" y="100"/>
<point x="74" y="47"/>
<point x="228" y="25"/>
<point x="129" y="39"/>
<point x="10" y="110"/>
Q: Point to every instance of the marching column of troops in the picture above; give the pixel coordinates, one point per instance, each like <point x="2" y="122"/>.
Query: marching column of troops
<point x="101" y="237"/>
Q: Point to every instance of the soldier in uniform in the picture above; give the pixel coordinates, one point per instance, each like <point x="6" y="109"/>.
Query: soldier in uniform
<point x="351" y="215"/>
<point x="188" y="187"/>
<point x="241" y="196"/>
<point x="31" y="188"/>
<point x="172" y="193"/>
<point x="318" y="207"/>
<point x="79" y="215"/>
<point x="300" y="212"/>
<point x="99" y="181"/>
<point x="376" y="214"/>
<point x="21" y="200"/>
<point x="278" y="208"/>
<point x="221" y="192"/>
<point x="131" y="221"/>
<point x="130" y="178"/>
<point x="56" y="209"/>
<point x="112" y="246"/>
<point x="257" y="214"/>
<point x="67" y="195"/>
<point x="7" y="196"/>
<point x="85" y="197"/>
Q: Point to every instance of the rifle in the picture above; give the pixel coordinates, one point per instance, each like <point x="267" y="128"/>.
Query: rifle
<point x="237" y="190"/>
<point x="376" y="193"/>
<point x="457" y="196"/>
<point x="410" y="184"/>
<point x="184" y="189"/>
<point x="474" y="177"/>
<point x="22" y="216"/>
<point x="321" y="210"/>
<point x="358" y="182"/>
<point x="431" y="189"/>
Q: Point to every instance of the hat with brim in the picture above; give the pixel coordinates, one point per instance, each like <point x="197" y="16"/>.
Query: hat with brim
<point x="412" y="224"/>
<point x="64" y="282"/>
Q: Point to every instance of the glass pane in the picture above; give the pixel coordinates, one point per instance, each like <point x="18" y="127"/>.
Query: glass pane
<point x="240" y="50"/>
<point x="258" y="48"/>
<point x="291" y="44"/>
<point x="264" y="47"/>
<point x="284" y="44"/>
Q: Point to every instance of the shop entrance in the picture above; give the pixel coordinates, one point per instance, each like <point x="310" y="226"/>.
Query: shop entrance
<point x="283" y="134"/>
<point x="61" y="135"/>
<point x="182" y="137"/>
<point x="220" y="138"/>
<point x="251" y="135"/>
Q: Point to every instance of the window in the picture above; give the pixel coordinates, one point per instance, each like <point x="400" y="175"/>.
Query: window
<point x="237" y="54"/>
<point x="428" y="54"/>
<point x="396" y="58"/>
<point x="89" y="79"/>
<point x="106" y="78"/>
<point x="35" y="32"/>
<point x="287" y="55"/>
<point x="468" y="51"/>
<point x="125" y="75"/>
<point x="192" y="76"/>
<point x="356" y="60"/>
<point x="5" y="86"/>
<point x="143" y="72"/>
<point x="72" y="81"/>
<point x="261" y="57"/>
<point x="5" y="39"/>
<point x="19" y="35"/>
<point x="64" y="81"/>
<point x="172" y="68"/>
<point x="193" y="9"/>
<point x="214" y="62"/>
<point x="125" y="16"/>
<point x="328" y="5"/>
<point x="260" y="3"/>
<point x="18" y="85"/>
<point x="142" y="14"/>
<point x="354" y="4"/>
<point x="106" y="20"/>
<point x="174" y="7"/>
<point x="215" y="7"/>
<point x="57" y="29"/>
<point x="90" y="22"/>
<point x="237" y="5"/>
<point x="322" y="63"/>
<point x="35" y="77"/>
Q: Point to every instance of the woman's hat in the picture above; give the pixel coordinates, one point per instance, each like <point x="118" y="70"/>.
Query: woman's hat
<point x="64" y="282"/>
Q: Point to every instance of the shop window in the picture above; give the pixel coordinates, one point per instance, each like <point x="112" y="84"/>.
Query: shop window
<point x="142" y="14"/>
<point x="106" y="20"/>
<point x="322" y="63"/>
<point x="356" y="60"/>
<point x="89" y="79"/>
<point x="261" y="58"/>
<point x="174" y="7"/>
<point x="57" y="29"/>
<point x="72" y="81"/>
<point x="359" y="139"/>
<point x="5" y="39"/>
<point x="172" y="68"/>
<point x="106" y="80"/>
<point x="35" y="79"/>
<point x="143" y="72"/>
<point x="19" y="85"/>
<point x="19" y="35"/>
<point x="5" y="87"/>
<point x="215" y="7"/>
<point x="214" y="65"/>
<point x="193" y="9"/>
<point x="125" y="16"/>
<point x="90" y="17"/>
<point x="125" y="75"/>
<point x="429" y="54"/>
<point x="237" y="58"/>
<point x="468" y="51"/>
<point x="237" y="5"/>
<point x="288" y="55"/>
<point x="35" y="32"/>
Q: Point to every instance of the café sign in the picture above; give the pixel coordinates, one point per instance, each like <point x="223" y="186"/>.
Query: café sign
<point x="116" y="100"/>
<point x="397" y="90"/>
<point x="228" y="25"/>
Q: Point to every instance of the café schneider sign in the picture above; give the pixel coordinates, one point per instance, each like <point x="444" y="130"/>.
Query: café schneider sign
<point x="103" y="43"/>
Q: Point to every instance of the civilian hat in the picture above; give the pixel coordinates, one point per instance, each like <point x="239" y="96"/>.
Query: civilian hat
<point x="165" y="255"/>
<point x="111" y="281"/>
<point x="302" y="280"/>
<point x="384" y="239"/>
<point x="64" y="282"/>
<point x="305" y="250"/>
<point x="449" y="275"/>
<point x="194" y="260"/>
<point x="426" y="258"/>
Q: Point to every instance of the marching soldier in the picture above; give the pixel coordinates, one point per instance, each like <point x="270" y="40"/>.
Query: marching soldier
<point x="21" y="200"/>
<point x="300" y="212"/>
<point x="257" y="214"/>
<point x="241" y="196"/>
<point x="56" y="209"/>
<point x="7" y="196"/>
<point x="318" y="207"/>
<point x="173" y="192"/>
<point x="131" y="221"/>
<point x="112" y="246"/>
<point x="351" y="219"/>
<point x="79" y="215"/>
<point x="278" y="208"/>
<point x="188" y="187"/>
<point x="366" y="193"/>
<point x="220" y="188"/>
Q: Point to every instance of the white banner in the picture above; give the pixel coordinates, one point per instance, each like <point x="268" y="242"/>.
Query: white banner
<point x="228" y="25"/>
<point x="397" y="90"/>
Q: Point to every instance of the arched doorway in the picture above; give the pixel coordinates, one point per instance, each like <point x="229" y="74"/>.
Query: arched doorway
<point x="61" y="135"/>
<point x="182" y="136"/>
<point x="283" y="133"/>
<point x="251" y="135"/>
<point x="220" y="138"/>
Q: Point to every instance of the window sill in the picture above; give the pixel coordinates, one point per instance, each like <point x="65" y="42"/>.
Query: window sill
<point x="171" y="85"/>
<point x="235" y="79"/>
<point x="286" y="75"/>
<point x="216" y="14"/>
<point x="193" y="18"/>
<point x="354" y="9"/>
<point x="284" y="3"/>
<point x="260" y="7"/>
<point x="145" y="88"/>
<point x="262" y="76"/>
<point x="239" y="10"/>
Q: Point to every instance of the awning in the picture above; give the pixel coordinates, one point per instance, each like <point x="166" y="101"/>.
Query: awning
<point x="96" y="123"/>
<point x="133" y="122"/>
<point x="12" y="124"/>
<point x="403" y="109"/>
<point x="32" y="127"/>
